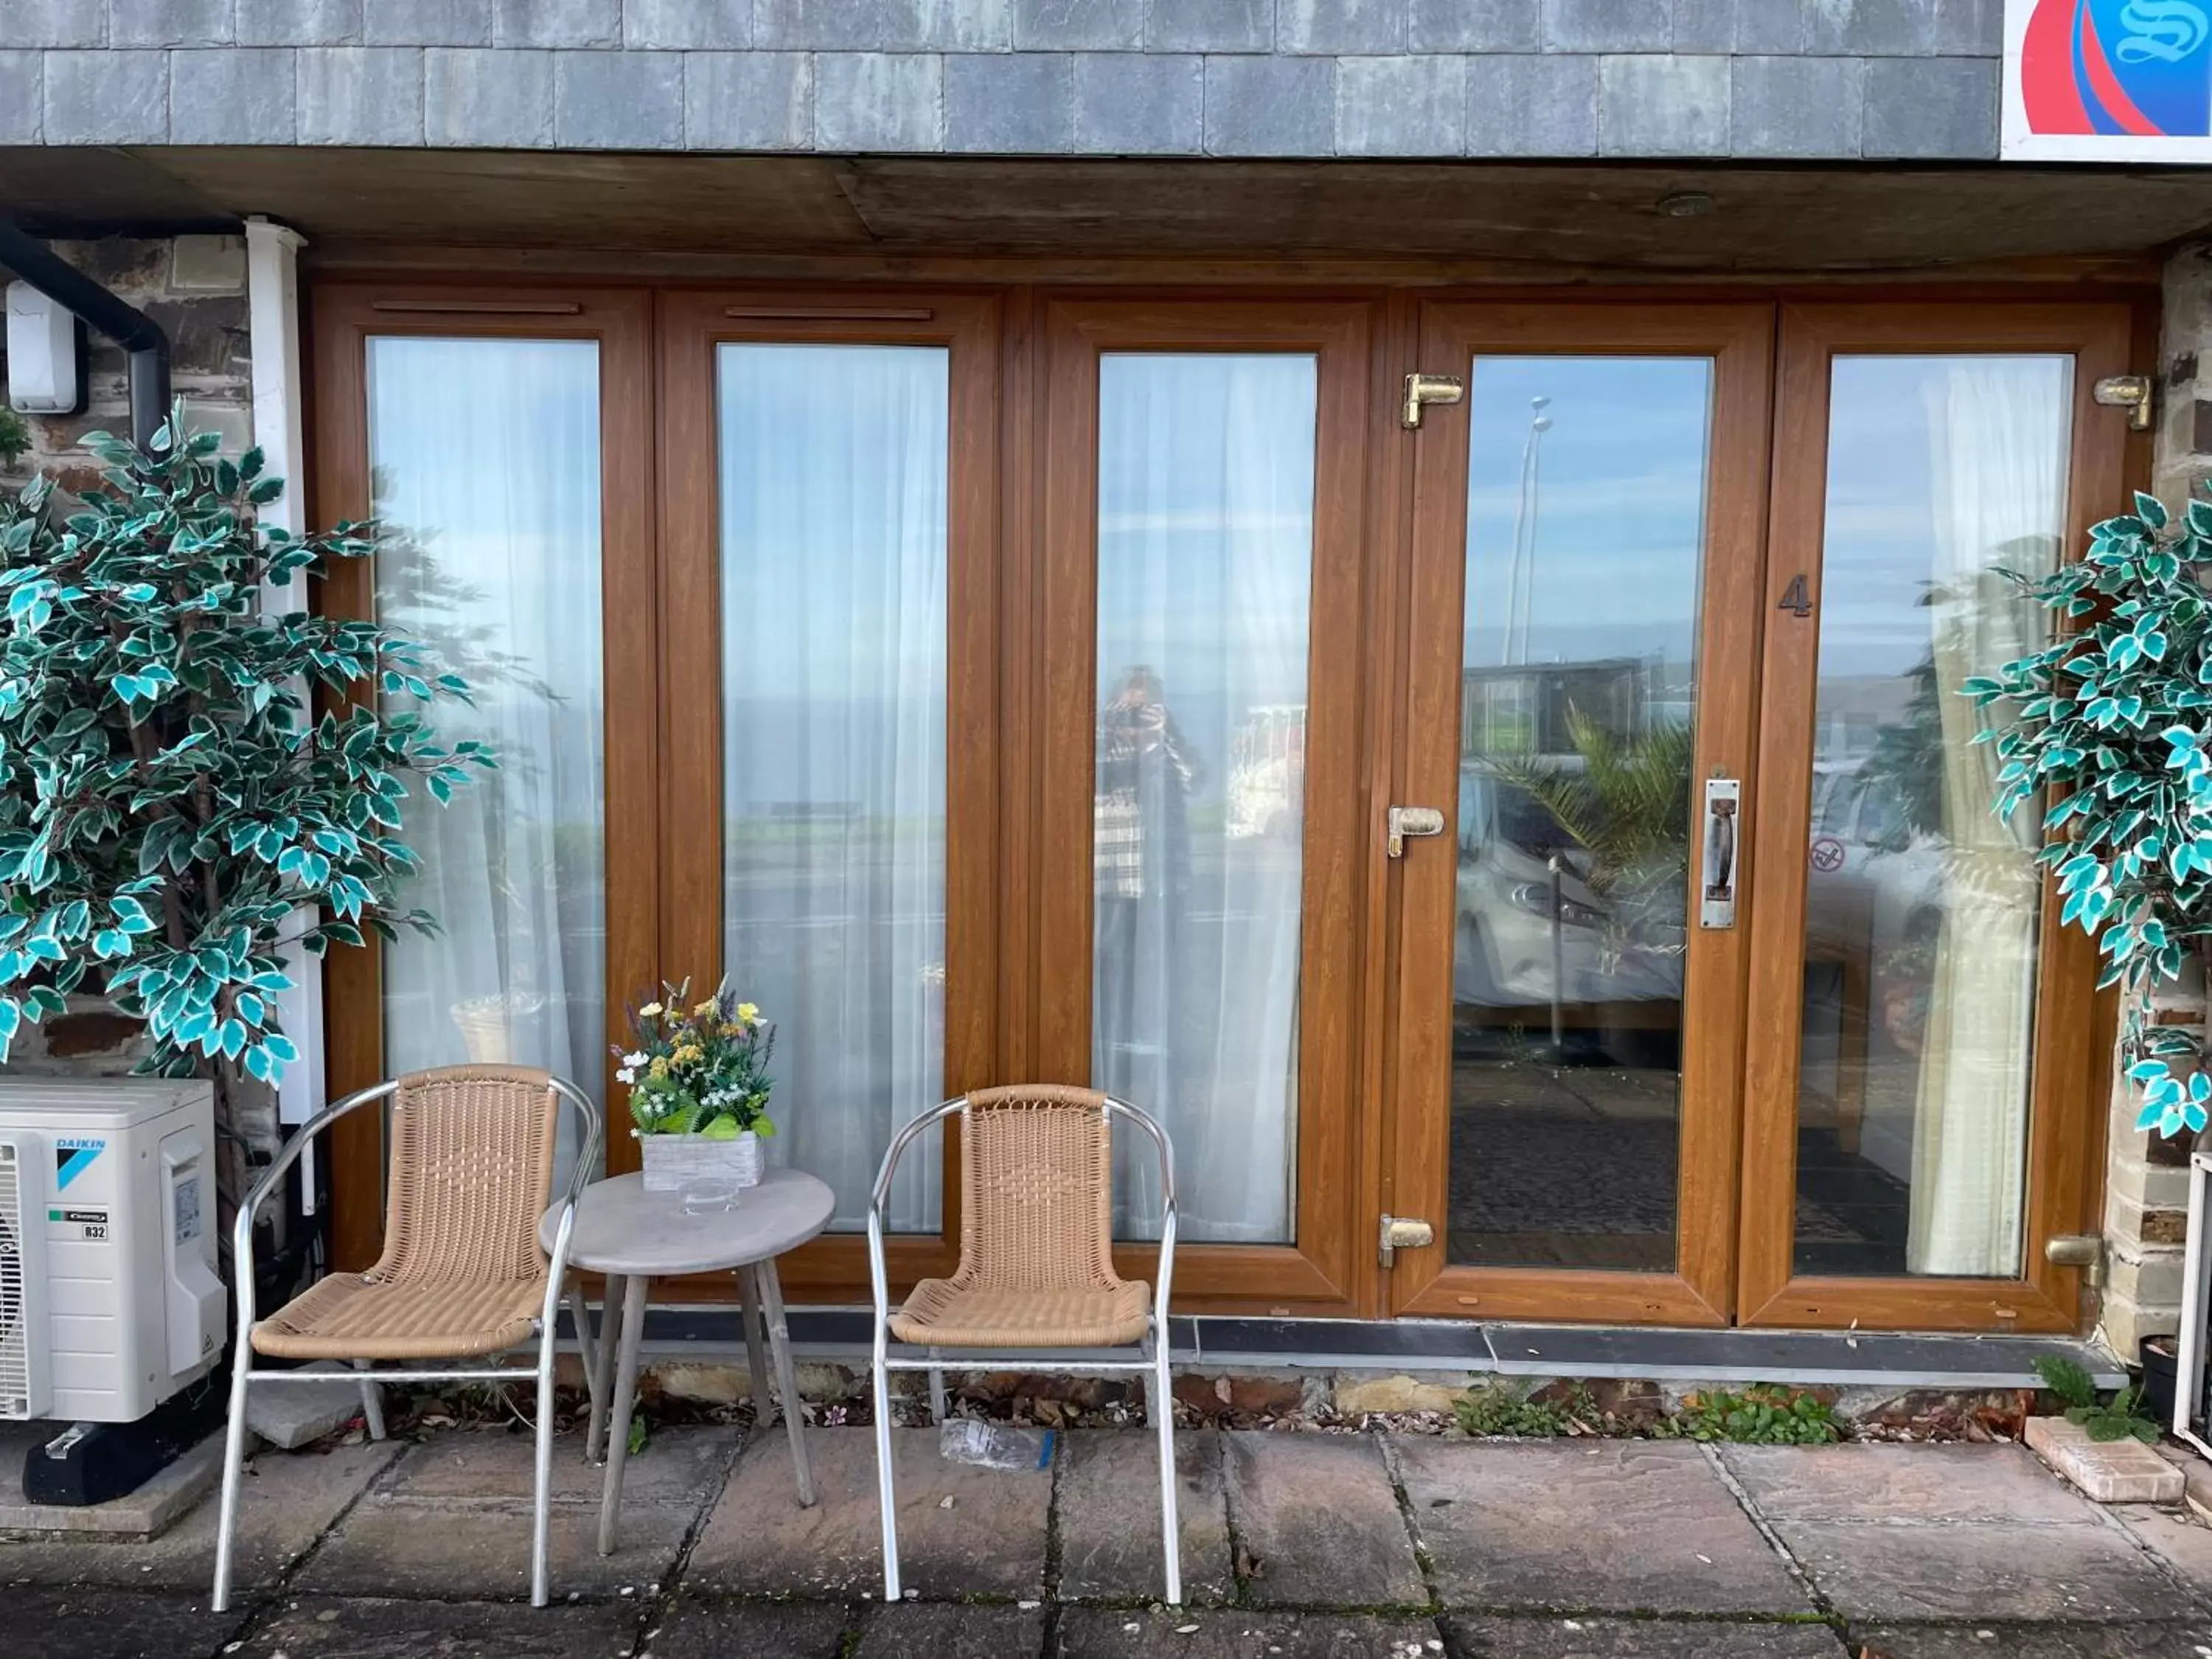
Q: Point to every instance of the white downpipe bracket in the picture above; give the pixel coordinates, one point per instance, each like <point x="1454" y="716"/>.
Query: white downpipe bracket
<point x="272" y="289"/>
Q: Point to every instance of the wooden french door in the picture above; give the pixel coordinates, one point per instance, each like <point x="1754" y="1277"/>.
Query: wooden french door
<point x="1566" y="1050"/>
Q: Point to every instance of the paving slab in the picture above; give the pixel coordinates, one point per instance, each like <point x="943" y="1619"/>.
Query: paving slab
<point x="715" y="1629"/>
<point x="1319" y="1518"/>
<point x="2132" y="1641"/>
<point x="1641" y="1638"/>
<point x="152" y="1509"/>
<point x="1615" y="1526"/>
<point x="2178" y="1536"/>
<point x="1979" y="1570"/>
<point x="962" y="1530"/>
<point x="1242" y="1633"/>
<point x="953" y="1631"/>
<point x="326" y="1628"/>
<point x="1879" y="1481"/>
<point x="105" y="1624"/>
<point x="285" y="1504"/>
<point x="454" y="1520"/>
<point x="1109" y="1515"/>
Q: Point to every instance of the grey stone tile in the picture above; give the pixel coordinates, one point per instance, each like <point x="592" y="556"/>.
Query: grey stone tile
<point x="714" y="1629"/>
<point x="1320" y="1516"/>
<point x="749" y="99"/>
<point x="618" y="99"/>
<point x="1980" y="1641"/>
<point x="361" y="94"/>
<point x="233" y="95"/>
<point x="25" y="23"/>
<point x="285" y="1502"/>
<point x="557" y="23"/>
<point x="1212" y="26"/>
<point x="1871" y="28"/>
<point x="22" y="96"/>
<point x="882" y="25"/>
<point x="1138" y="104"/>
<point x="1969" y="28"/>
<point x="1109" y="1515"/>
<point x="172" y="22"/>
<point x="1402" y="106"/>
<point x="1474" y="26"/>
<point x="1795" y="107"/>
<point x="1079" y="25"/>
<point x="107" y="1624"/>
<point x="481" y="98"/>
<point x="952" y="1632"/>
<point x="879" y="101"/>
<point x="2180" y="1537"/>
<point x="1702" y="25"/>
<point x="1270" y="106"/>
<point x="1982" y="1571"/>
<point x="1612" y="1525"/>
<point x="320" y="1628"/>
<point x="1768" y="26"/>
<point x="989" y="1540"/>
<point x="106" y="98"/>
<point x="1932" y="108"/>
<point x="426" y="22"/>
<point x="1344" y="27"/>
<point x="454" y="1520"/>
<point x="1874" y="1482"/>
<point x="1017" y="103"/>
<point x="1532" y="104"/>
<point x="688" y="25"/>
<point x="1638" y="1639"/>
<point x="1654" y="105"/>
<point x="1604" y="26"/>
<point x="1110" y="1633"/>
<point x="298" y="22"/>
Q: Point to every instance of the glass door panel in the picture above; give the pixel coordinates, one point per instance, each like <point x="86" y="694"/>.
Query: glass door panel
<point x="1585" y="547"/>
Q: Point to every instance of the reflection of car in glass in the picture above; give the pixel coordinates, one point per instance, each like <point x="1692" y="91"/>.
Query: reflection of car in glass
<point x="1874" y="884"/>
<point x="1268" y="772"/>
<point x="1508" y="917"/>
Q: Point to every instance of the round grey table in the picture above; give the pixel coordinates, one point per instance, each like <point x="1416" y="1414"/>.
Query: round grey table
<point x="633" y="1238"/>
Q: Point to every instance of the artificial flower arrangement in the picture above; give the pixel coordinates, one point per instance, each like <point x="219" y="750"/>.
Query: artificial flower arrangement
<point x="698" y="1076"/>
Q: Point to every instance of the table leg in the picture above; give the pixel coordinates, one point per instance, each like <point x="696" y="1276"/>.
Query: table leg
<point x="625" y="1396"/>
<point x="603" y="1360"/>
<point x="787" y="1380"/>
<point x="756" y="1356"/>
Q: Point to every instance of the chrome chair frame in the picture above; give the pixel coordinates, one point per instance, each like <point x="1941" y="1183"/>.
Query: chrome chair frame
<point x="1160" y="1405"/>
<point x="243" y="1374"/>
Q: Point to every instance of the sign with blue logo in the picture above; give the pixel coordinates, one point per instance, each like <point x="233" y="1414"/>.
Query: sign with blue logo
<point x="73" y="1156"/>
<point x="2108" y="81"/>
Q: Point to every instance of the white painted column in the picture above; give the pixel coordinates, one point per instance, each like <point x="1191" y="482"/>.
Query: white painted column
<point x="272" y="292"/>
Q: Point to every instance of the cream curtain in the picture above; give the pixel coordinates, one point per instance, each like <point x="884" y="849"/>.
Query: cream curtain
<point x="1998" y="430"/>
<point x="489" y="504"/>
<point x="833" y="480"/>
<point x="1206" y="482"/>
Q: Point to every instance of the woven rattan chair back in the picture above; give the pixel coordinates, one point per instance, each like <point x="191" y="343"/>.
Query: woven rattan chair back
<point x="1036" y="1190"/>
<point x="471" y="1150"/>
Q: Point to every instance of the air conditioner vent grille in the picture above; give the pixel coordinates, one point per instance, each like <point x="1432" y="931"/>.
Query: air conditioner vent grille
<point x="15" y="1380"/>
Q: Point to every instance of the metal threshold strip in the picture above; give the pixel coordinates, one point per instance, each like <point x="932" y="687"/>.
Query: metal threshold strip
<point x="1898" y="1359"/>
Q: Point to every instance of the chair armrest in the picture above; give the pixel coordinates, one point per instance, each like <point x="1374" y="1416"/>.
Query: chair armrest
<point x="593" y="1142"/>
<point x="1144" y="1120"/>
<point x="242" y="1236"/>
<point x="880" y="1195"/>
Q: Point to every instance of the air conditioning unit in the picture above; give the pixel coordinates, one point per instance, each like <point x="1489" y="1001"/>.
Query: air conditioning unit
<point x="109" y="1297"/>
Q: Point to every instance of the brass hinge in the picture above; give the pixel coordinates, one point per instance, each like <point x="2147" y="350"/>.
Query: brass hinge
<point x="2129" y="391"/>
<point x="1402" y="1232"/>
<point x="1422" y="390"/>
<point x="2083" y="1250"/>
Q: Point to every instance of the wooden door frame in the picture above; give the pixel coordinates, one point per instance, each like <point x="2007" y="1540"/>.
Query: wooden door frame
<point x="1317" y="1273"/>
<point x="2069" y="1075"/>
<point x="345" y="315"/>
<point x="1455" y="332"/>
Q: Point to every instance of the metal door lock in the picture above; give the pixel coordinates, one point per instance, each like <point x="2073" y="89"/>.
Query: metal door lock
<point x="1402" y="1232"/>
<point x="1412" y="821"/>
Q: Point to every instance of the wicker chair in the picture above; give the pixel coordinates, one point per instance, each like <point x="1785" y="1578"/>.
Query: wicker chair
<point x="470" y="1151"/>
<point x="1035" y="1269"/>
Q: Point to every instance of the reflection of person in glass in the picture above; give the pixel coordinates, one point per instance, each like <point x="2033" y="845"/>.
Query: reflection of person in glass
<point x="1141" y="853"/>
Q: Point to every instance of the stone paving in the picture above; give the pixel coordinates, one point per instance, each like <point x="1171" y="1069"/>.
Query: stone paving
<point x="1296" y="1545"/>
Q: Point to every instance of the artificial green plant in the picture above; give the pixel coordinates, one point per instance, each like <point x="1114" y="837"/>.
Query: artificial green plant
<point x="2108" y="728"/>
<point x="167" y="802"/>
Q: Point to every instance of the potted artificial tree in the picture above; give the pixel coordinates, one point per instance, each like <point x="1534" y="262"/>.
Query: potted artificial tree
<point x="170" y="809"/>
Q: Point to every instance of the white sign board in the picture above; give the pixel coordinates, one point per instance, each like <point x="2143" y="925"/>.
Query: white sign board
<point x="2108" y="81"/>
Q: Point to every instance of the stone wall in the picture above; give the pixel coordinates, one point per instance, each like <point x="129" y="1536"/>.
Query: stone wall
<point x="1783" y="79"/>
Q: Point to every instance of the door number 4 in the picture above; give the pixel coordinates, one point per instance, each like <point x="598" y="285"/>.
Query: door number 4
<point x="1796" y="599"/>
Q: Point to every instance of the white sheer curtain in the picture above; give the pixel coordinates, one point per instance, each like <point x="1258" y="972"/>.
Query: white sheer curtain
<point x="1998" y="430"/>
<point x="833" y="475"/>
<point x="490" y="505"/>
<point x="1205" y="486"/>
